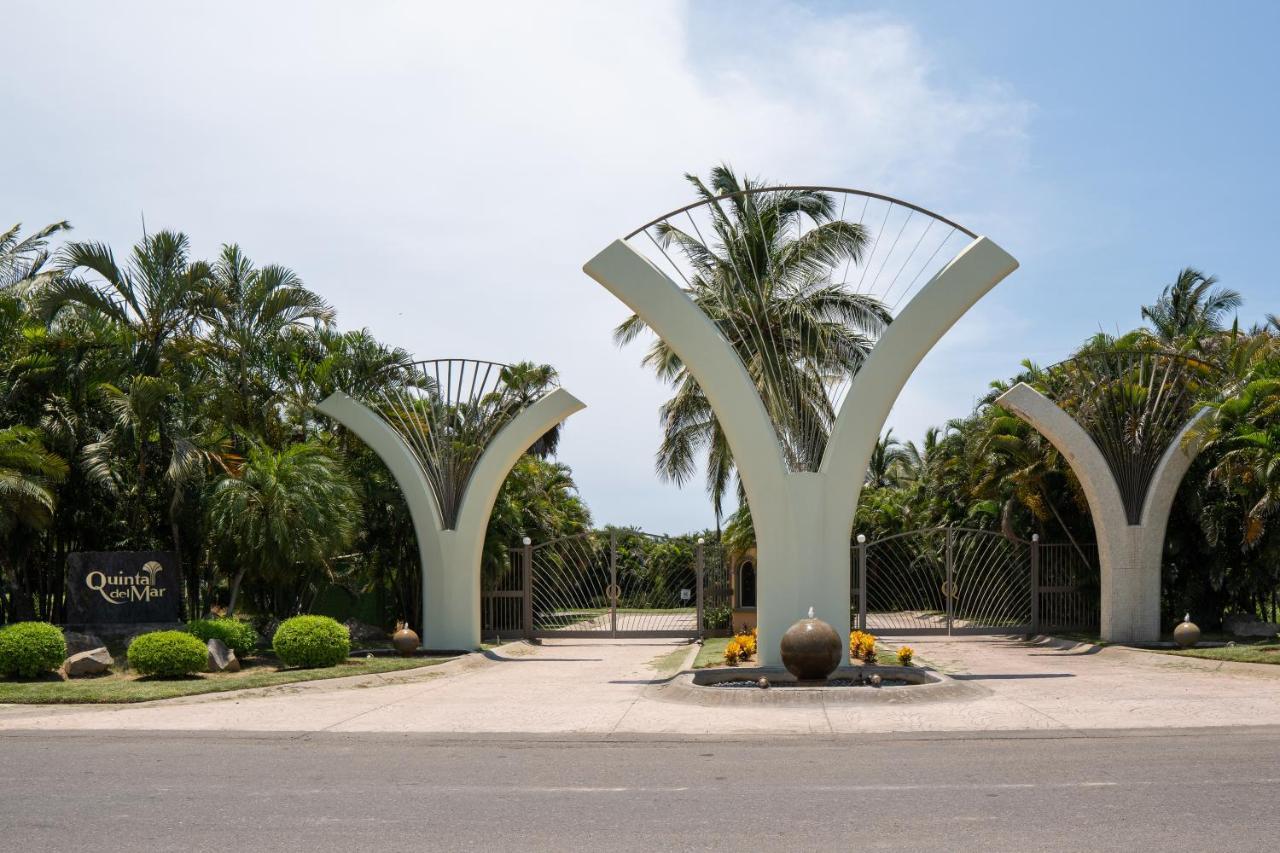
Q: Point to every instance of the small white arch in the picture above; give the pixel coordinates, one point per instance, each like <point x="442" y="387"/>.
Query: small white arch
<point x="1129" y="555"/>
<point x="451" y="557"/>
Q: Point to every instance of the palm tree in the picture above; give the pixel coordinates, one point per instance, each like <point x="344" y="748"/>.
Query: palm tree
<point x="23" y="260"/>
<point x="250" y="309"/>
<point x="1190" y="308"/>
<point x="27" y="473"/>
<point x="524" y="383"/>
<point x="287" y="513"/>
<point x="27" y="470"/>
<point x="887" y="459"/>
<point x="155" y="298"/>
<point x="770" y="291"/>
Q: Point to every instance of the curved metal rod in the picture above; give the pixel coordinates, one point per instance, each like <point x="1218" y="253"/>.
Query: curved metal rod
<point x="846" y="190"/>
<point x="908" y="339"/>
<point x="515" y="437"/>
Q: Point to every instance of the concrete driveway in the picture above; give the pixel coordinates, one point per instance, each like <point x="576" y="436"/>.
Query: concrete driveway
<point x="609" y="688"/>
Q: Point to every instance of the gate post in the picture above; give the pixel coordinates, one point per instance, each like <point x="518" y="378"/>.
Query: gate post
<point x="701" y="567"/>
<point x="1035" y="583"/>
<point x="862" y="582"/>
<point x="950" y="585"/>
<point x="613" y="583"/>
<point x="526" y="571"/>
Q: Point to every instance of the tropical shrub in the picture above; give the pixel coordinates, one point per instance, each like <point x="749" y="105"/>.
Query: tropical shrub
<point x="905" y="655"/>
<point x="238" y="636"/>
<point x="747" y="642"/>
<point x="168" y="654"/>
<point x="312" y="641"/>
<point x="732" y="652"/>
<point x="28" y="649"/>
<point x="862" y="646"/>
<point x="717" y="617"/>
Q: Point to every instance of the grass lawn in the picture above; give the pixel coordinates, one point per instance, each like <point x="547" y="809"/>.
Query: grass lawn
<point x="669" y="663"/>
<point x="1255" y="653"/>
<point x="126" y="687"/>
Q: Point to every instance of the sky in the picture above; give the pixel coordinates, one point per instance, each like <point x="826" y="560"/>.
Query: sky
<point x="441" y="172"/>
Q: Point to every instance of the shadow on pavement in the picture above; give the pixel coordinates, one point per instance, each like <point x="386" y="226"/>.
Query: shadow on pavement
<point x="1013" y="676"/>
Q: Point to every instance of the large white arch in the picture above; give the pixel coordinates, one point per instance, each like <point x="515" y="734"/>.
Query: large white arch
<point x="451" y="557"/>
<point x="803" y="520"/>
<point x="1129" y="555"/>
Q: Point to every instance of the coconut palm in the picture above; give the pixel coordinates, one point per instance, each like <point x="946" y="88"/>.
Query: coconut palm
<point x="767" y="283"/>
<point x="524" y="383"/>
<point x="1190" y="307"/>
<point x="887" y="459"/>
<point x="286" y="514"/>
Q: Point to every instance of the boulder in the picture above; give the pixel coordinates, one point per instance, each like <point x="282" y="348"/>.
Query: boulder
<point x="221" y="658"/>
<point x="1247" y="626"/>
<point x="93" y="662"/>
<point x="78" y="642"/>
<point x="364" y="633"/>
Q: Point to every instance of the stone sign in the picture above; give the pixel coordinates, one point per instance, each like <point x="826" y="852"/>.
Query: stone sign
<point x="122" y="587"/>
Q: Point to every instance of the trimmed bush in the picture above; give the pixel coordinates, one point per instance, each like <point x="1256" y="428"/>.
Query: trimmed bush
<point x="168" y="654"/>
<point x="28" y="649"/>
<point x="237" y="635"/>
<point x="312" y="641"/>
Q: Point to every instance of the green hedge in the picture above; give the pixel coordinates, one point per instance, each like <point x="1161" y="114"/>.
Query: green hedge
<point x="311" y="641"/>
<point x="238" y="636"/>
<point x="168" y="654"/>
<point x="28" y="649"/>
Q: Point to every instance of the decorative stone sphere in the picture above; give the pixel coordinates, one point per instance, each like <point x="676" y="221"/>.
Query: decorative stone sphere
<point x="763" y="683"/>
<point x="406" y="641"/>
<point x="811" y="649"/>
<point x="875" y="680"/>
<point x="1187" y="634"/>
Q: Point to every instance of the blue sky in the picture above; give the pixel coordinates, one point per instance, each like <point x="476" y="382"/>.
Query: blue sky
<point x="442" y="172"/>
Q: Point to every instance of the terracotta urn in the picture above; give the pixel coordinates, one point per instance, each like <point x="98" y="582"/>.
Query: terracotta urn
<point x="1187" y="634"/>
<point x="811" y="649"/>
<point x="405" y="639"/>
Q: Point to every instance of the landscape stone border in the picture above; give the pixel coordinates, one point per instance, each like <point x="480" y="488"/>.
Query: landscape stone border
<point x="695" y="687"/>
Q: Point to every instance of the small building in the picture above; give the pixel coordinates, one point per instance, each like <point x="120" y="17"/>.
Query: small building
<point x="742" y="586"/>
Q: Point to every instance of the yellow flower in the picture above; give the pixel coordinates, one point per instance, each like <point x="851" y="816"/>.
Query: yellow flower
<point x="732" y="653"/>
<point x="905" y="654"/>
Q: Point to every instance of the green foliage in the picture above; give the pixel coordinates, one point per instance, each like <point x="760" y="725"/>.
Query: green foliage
<point x="29" y="649"/>
<point x="237" y="634"/>
<point x="311" y="641"/>
<point x="286" y="515"/>
<point x="167" y="654"/>
<point x="717" y="617"/>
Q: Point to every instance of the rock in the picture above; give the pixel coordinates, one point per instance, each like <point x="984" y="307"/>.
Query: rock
<point x="1248" y="626"/>
<point x="364" y="633"/>
<point x="78" y="642"/>
<point x="93" y="662"/>
<point x="221" y="658"/>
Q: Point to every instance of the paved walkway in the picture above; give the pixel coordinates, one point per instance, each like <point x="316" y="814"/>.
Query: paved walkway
<point x="607" y="688"/>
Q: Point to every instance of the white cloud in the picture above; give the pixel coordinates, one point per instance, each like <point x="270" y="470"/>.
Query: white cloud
<point x="441" y="172"/>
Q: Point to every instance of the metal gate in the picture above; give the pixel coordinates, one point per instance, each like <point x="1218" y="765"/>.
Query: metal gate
<point x="945" y="580"/>
<point x="617" y="583"/>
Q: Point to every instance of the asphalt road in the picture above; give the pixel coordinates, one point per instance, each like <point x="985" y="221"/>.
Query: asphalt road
<point x="1185" y="791"/>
